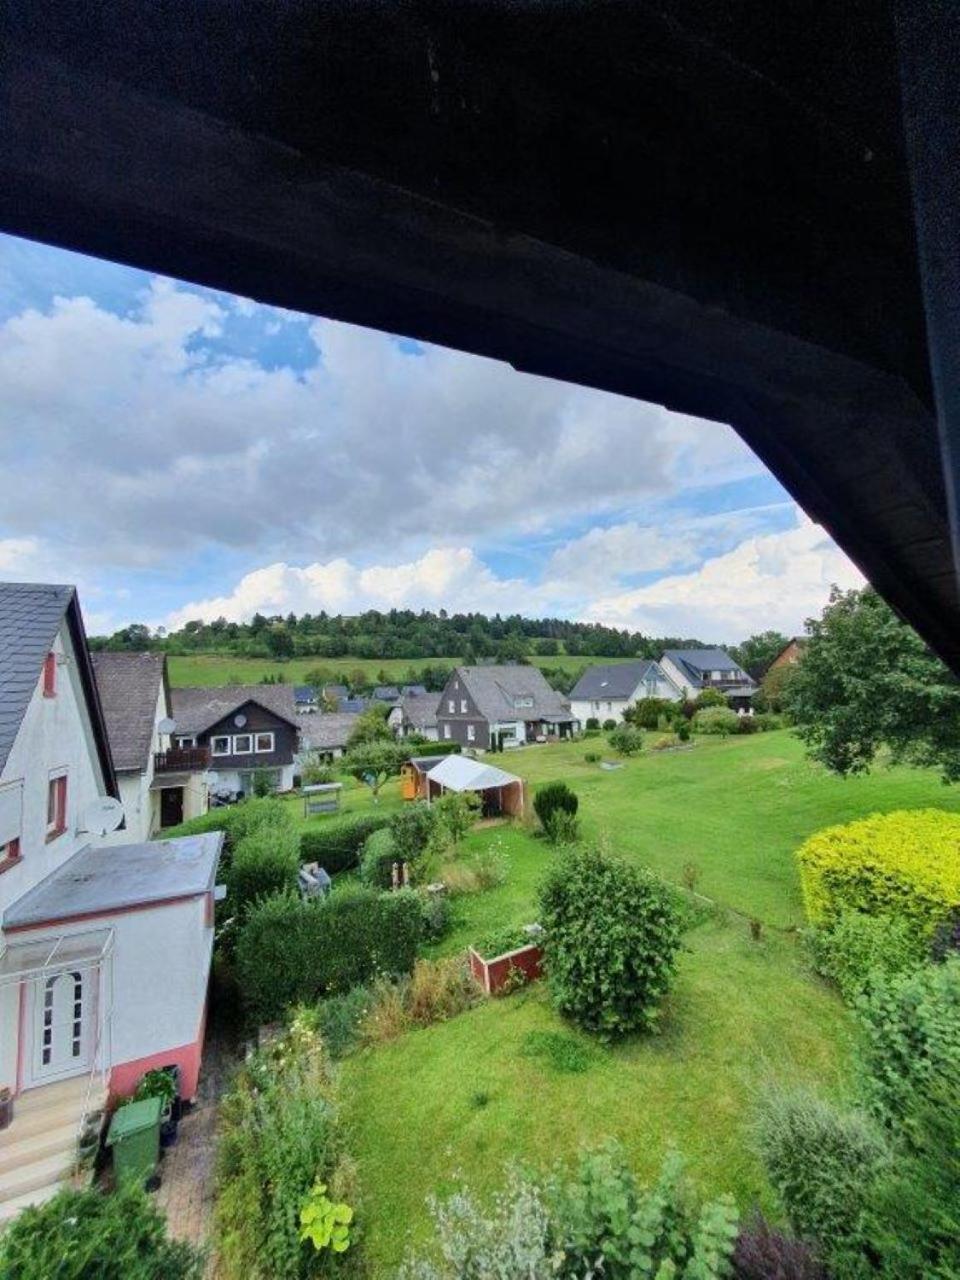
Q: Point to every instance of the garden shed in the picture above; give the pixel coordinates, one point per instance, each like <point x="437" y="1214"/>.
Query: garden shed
<point x="499" y="791"/>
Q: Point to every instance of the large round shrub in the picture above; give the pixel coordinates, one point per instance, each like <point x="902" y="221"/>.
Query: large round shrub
<point x="626" y="739"/>
<point x="264" y="862"/>
<point x="612" y="933"/>
<point x="81" y="1234"/>
<point x="717" y="720"/>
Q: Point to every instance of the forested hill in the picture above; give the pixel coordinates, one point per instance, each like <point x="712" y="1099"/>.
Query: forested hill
<point x="397" y="634"/>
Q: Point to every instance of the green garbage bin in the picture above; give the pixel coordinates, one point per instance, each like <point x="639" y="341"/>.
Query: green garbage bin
<point x="134" y="1137"/>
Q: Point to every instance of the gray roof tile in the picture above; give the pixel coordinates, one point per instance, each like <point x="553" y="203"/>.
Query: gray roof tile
<point x="195" y="710"/>
<point x="494" y="689"/>
<point x="129" y="686"/>
<point x="30" y="615"/>
<point x="613" y="680"/>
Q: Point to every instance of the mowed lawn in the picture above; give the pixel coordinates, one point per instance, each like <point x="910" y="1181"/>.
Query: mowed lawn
<point x="205" y="669"/>
<point x="462" y="1098"/>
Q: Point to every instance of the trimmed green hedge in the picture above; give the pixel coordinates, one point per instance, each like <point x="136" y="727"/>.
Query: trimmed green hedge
<point x="265" y="861"/>
<point x="236" y="820"/>
<point x="377" y="857"/>
<point x="904" y="864"/>
<point x="294" y="950"/>
<point x="336" y="845"/>
<point x="435" y="749"/>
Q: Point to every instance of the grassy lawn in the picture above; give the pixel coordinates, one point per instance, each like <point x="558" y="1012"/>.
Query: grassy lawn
<point x="354" y="799"/>
<point x="215" y="668"/>
<point x="466" y="1096"/>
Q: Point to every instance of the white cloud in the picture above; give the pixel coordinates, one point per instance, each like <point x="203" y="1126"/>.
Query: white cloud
<point x="773" y="580"/>
<point x="137" y="442"/>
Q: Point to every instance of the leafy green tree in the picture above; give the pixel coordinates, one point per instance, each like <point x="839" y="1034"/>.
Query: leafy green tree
<point x="279" y="641"/>
<point x="758" y="651"/>
<point x="371" y="726"/>
<point x="868" y="681"/>
<point x="373" y="762"/>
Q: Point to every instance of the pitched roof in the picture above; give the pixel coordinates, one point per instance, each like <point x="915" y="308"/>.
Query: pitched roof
<point x="495" y="690"/>
<point x="613" y="680"/>
<point x="696" y="661"/>
<point x="129" y="685"/>
<point x="195" y="710"/>
<point x="420" y="709"/>
<point x="386" y="693"/>
<point x="351" y="706"/>
<point x="326" y="730"/>
<point x="461" y="773"/>
<point x="414" y="690"/>
<point x="30" y="617"/>
<point x="304" y="693"/>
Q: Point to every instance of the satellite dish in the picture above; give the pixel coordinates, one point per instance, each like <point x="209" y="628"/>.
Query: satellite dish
<point x="102" y="816"/>
<point x="166" y="725"/>
<point x="240" y="720"/>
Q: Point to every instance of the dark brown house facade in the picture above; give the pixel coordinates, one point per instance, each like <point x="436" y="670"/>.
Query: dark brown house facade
<point x="247" y="731"/>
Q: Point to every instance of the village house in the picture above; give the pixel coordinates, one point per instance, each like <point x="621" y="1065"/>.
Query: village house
<point x="502" y="706"/>
<point x="325" y="735"/>
<point x="694" y="670"/>
<point x="248" y="729"/>
<point x="790" y="654"/>
<point x="105" y="948"/>
<point x="160" y="785"/>
<point x="606" y="691"/>
<point x="305" y="699"/>
<point x="415" y="713"/>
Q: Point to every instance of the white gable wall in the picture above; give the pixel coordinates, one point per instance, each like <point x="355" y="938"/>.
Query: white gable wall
<point x="679" y="677"/>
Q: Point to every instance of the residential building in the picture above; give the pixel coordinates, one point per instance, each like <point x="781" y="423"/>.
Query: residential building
<point x="352" y="706"/>
<point x="305" y="698"/>
<point x="248" y="729"/>
<point x="606" y="691"/>
<point x="160" y="785"/>
<point x="386" y="693"/>
<point x="104" y="948"/>
<point x="694" y="670"/>
<point x="501" y="705"/>
<point x="325" y="735"/>
<point x="415" y="713"/>
<point x="790" y="654"/>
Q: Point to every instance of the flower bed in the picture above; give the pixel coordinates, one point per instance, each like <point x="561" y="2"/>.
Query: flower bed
<point x="501" y="966"/>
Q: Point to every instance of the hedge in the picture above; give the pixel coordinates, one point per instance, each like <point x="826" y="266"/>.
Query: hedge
<point x="337" y="844"/>
<point x="236" y="821"/>
<point x="435" y="749"/>
<point x="377" y="857"/>
<point x="294" y="950"/>
<point x="904" y="864"/>
<point x="265" y="861"/>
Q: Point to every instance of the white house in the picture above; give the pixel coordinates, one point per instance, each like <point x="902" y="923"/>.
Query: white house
<point x="694" y="670"/>
<point x="415" y="713"/>
<point x="605" y="692"/>
<point x="104" y="948"/>
<point x="160" y="785"/>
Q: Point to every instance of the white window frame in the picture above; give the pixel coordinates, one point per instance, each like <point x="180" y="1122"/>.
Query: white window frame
<point x="452" y="706"/>
<point x="446" y="731"/>
<point x="260" y="751"/>
<point x="182" y="741"/>
<point x="242" y="751"/>
<point x="220" y="737"/>
<point x="471" y="733"/>
<point x="463" y="706"/>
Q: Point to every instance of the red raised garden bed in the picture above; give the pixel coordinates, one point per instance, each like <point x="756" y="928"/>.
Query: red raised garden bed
<point x="495" y="973"/>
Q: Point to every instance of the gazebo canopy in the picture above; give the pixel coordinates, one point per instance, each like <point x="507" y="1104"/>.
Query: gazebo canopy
<point x="460" y="773"/>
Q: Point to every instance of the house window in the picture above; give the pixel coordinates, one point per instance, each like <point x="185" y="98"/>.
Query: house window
<point x="185" y="742"/>
<point x="471" y="733"/>
<point x="523" y="702"/>
<point x="263" y="742"/>
<point x="463" y="706"/>
<point x="220" y="746"/>
<point x="446" y="731"/>
<point x="242" y="744"/>
<point x="50" y="676"/>
<point x="9" y="853"/>
<point x="56" y="806"/>
<point x="451" y="706"/>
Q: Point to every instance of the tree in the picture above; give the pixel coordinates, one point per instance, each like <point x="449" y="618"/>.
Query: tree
<point x="868" y="681"/>
<point x="627" y="739"/>
<point x="757" y="652"/>
<point x="374" y="761"/>
<point x="371" y="726"/>
<point x="279" y="641"/>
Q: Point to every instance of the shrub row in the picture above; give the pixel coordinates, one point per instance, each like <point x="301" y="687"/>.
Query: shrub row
<point x="293" y="950"/>
<point x="904" y="864"/>
<point x="336" y="845"/>
<point x="236" y="820"/>
<point x="265" y="861"/>
<point x="377" y="857"/>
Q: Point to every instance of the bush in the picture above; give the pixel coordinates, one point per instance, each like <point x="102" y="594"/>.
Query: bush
<point x="856" y="950"/>
<point x="946" y="939"/>
<point x="437" y="916"/>
<point x="911" y="1042"/>
<point x="339" y="1019"/>
<point x="315" y="770"/>
<point x="553" y="796"/>
<point x="592" y="725"/>
<point x="236" y="820"/>
<point x="904" y="864"/>
<point x="609" y="724"/>
<point x="294" y="950"/>
<point x="489" y="865"/>
<point x="263" y="784"/>
<point x="668" y="742"/>
<point x="822" y="1162"/>
<point x="749" y="724"/>
<point x="80" y="1234"/>
<point x="454" y="814"/>
<point x="715" y="720"/>
<point x="377" y="858"/>
<point x="707" y="699"/>
<point x="761" y="1253"/>
<point x="436" y="991"/>
<point x="626" y="739"/>
<point x="767" y="721"/>
<point x="683" y="730"/>
<point x="648" y="712"/>
<point x="411" y="830"/>
<point x="591" y="757"/>
<point x="279" y="1133"/>
<point x="563" y="828"/>
<point x="612" y="933"/>
<point x="264" y="862"/>
<point x="336" y="844"/>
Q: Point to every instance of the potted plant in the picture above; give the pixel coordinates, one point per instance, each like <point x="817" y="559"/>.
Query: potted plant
<point x="163" y="1083"/>
<point x="6" y="1106"/>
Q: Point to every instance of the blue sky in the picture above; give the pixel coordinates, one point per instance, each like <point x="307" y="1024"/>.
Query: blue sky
<point x="184" y="453"/>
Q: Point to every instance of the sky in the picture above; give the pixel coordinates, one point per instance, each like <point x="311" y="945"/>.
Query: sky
<point x="180" y="453"/>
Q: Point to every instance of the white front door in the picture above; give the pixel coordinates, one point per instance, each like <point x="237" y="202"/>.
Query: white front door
<point x="64" y="1024"/>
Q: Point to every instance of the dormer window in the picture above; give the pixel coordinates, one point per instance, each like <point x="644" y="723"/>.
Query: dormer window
<point x="523" y="702"/>
<point x="50" y="676"/>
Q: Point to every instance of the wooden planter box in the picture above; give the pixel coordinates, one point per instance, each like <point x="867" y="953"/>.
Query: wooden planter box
<point x="495" y="973"/>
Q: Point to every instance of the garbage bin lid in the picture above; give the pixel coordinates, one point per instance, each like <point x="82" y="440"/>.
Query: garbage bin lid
<point x="133" y="1117"/>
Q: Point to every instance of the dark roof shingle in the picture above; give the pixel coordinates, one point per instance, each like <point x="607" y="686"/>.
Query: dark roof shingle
<point x="129" y="685"/>
<point x="613" y="680"/>
<point x="195" y="710"/>
<point x="496" y="689"/>
<point x="30" y="616"/>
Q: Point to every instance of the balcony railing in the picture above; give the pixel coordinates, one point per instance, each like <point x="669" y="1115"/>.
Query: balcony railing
<point x="182" y="760"/>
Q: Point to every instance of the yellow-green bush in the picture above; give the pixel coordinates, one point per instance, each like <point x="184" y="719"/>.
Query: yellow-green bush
<point x="904" y="864"/>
